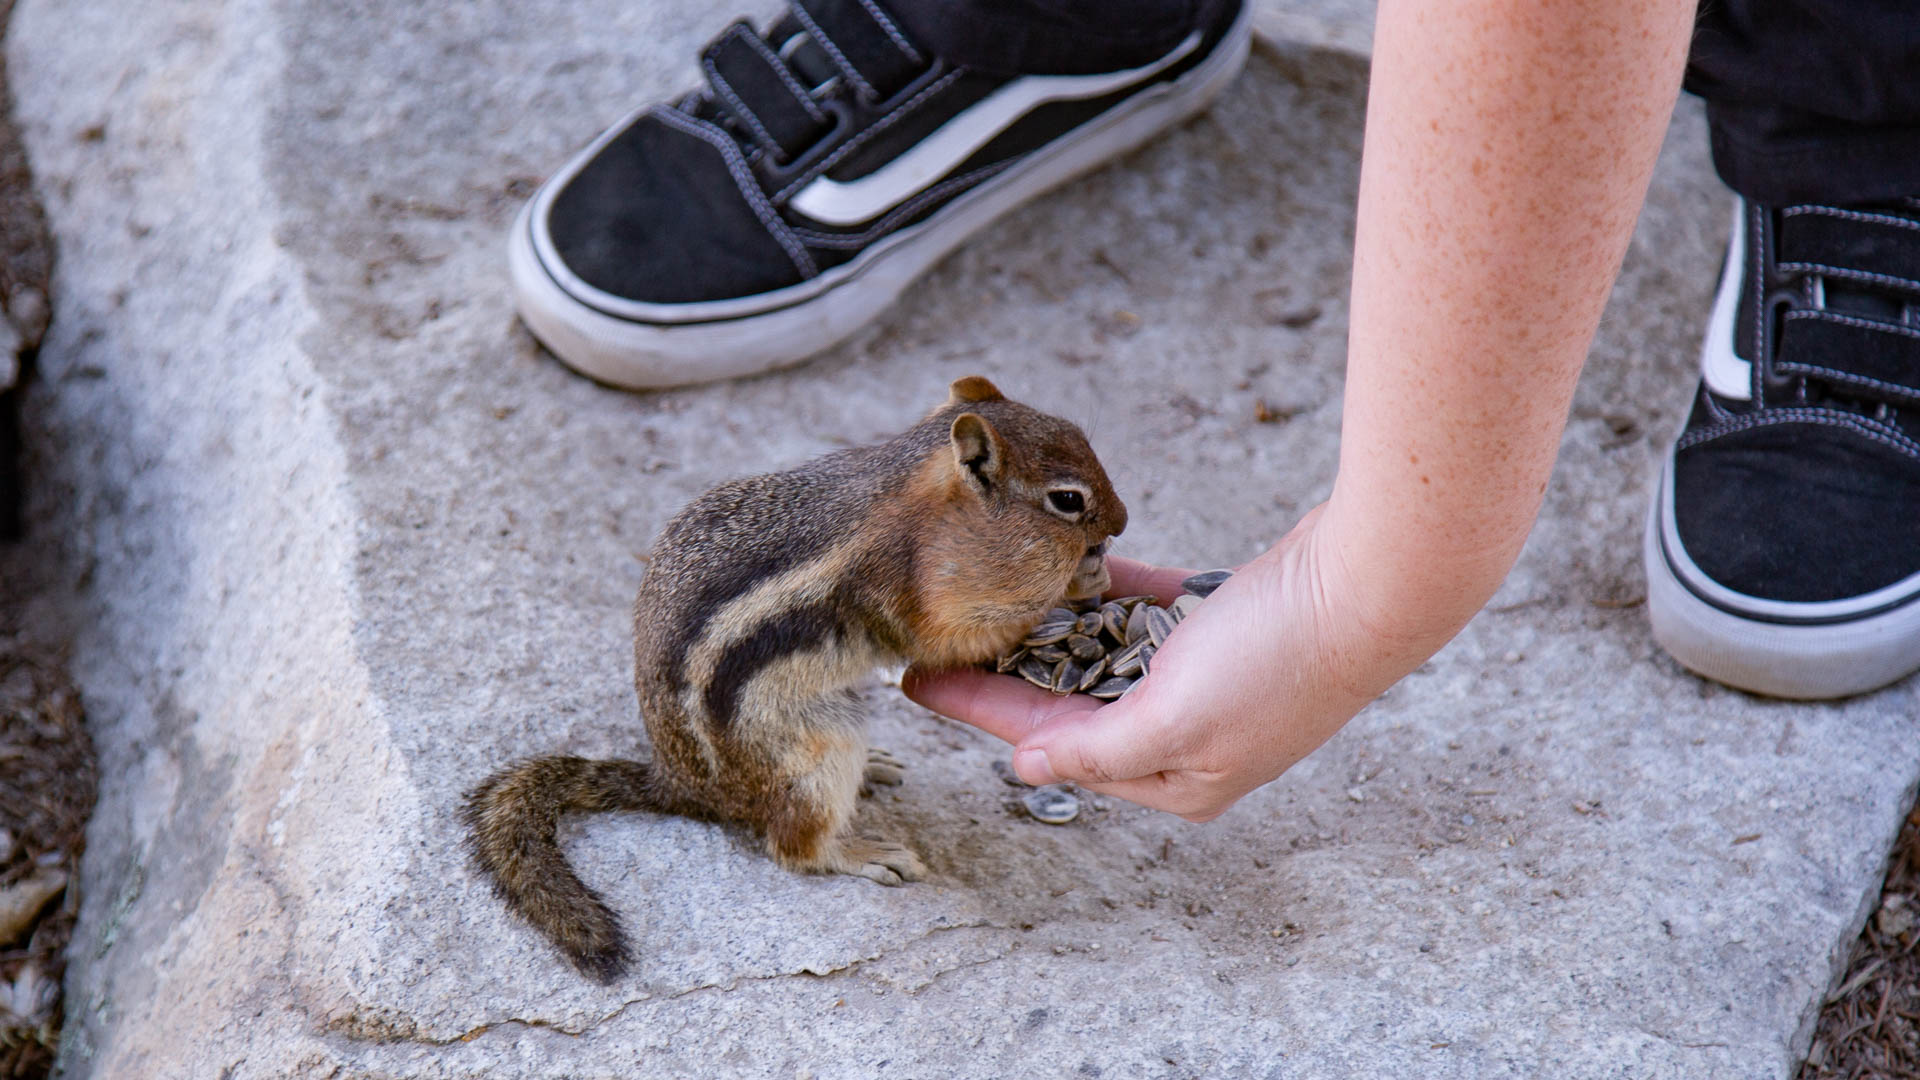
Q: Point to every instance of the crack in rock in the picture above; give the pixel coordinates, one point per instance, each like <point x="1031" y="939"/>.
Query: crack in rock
<point x="1680" y="1042"/>
<point x="941" y="973"/>
<point x="385" y="1025"/>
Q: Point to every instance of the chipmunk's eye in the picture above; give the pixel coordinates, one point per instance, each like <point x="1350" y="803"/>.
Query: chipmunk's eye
<point x="1066" y="501"/>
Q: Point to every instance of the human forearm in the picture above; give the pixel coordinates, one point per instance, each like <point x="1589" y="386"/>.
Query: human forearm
<point x="1508" y="149"/>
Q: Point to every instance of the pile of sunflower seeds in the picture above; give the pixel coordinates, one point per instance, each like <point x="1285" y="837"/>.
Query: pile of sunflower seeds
<point x="1102" y="648"/>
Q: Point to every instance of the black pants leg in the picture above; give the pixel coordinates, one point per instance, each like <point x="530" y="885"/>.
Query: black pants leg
<point x="1807" y="100"/>
<point x="1050" y="37"/>
<point x="1811" y="100"/>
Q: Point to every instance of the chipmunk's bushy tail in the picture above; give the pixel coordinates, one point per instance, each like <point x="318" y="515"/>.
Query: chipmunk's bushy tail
<point x="511" y="819"/>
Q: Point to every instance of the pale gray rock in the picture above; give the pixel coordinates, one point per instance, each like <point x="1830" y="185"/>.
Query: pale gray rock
<point x="346" y="540"/>
<point x="1344" y="25"/>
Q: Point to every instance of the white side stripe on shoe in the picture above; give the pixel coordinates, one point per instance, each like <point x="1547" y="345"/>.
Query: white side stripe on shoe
<point x="1726" y="374"/>
<point x="855" y="201"/>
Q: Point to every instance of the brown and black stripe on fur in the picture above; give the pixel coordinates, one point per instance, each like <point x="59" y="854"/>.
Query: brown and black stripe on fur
<point x="766" y="601"/>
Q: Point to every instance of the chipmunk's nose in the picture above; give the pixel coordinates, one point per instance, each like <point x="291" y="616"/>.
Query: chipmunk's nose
<point x="1115" y="518"/>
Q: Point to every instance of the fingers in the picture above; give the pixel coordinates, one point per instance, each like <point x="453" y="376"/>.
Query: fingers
<point x="1132" y="577"/>
<point x="1074" y="738"/>
<point x="1000" y="705"/>
<point x="1188" y="795"/>
<point x="1103" y="746"/>
<point x="1059" y="738"/>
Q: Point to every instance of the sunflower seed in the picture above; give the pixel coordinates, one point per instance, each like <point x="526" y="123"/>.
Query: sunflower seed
<point x="1094" y="673"/>
<point x="1037" y="672"/>
<point x="1203" y="583"/>
<point x="1053" y="804"/>
<point x="1084" y="649"/>
<point x="1048" y="632"/>
<point x="1066" y="677"/>
<point x="1159" y="625"/>
<point x="1052" y="654"/>
<point x="1100" y="649"/>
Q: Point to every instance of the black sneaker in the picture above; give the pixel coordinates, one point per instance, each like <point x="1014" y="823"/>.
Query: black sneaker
<point x="824" y="166"/>
<point x="1783" y="549"/>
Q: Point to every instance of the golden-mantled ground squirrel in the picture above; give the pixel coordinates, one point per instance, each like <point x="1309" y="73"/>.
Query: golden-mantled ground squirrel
<point x="767" y="600"/>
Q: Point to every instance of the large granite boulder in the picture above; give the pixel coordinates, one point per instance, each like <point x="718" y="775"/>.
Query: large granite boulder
<point x="345" y="540"/>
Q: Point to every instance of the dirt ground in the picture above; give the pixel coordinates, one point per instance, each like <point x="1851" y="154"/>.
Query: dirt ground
<point x="46" y="795"/>
<point x="47" y="777"/>
<point x="1871" y="1024"/>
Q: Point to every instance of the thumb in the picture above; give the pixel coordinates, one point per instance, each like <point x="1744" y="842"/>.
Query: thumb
<point x="1104" y="746"/>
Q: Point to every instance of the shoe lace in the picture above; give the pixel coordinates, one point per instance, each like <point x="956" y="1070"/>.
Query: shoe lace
<point x="811" y="72"/>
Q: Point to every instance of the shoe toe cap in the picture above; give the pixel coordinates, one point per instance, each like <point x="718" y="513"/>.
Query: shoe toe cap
<point x="1800" y="512"/>
<point x="654" y="215"/>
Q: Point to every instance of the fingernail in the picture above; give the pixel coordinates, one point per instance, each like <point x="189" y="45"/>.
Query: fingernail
<point x="1031" y="766"/>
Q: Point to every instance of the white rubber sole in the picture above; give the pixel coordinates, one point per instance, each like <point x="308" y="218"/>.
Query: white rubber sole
<point x="640" y="355"/>
<point x="1804" y="651"/>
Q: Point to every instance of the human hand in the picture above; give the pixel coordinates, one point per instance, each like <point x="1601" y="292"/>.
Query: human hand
<point x="1258" y="676"/>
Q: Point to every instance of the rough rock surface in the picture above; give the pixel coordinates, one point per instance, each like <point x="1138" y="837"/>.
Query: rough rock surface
<point x="347" y="540"/>
<point x="1326" y="24"/>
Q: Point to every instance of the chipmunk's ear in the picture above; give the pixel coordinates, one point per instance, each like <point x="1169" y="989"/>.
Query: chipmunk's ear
<point x="973" y="388"/>
<point x="978" y="451"/>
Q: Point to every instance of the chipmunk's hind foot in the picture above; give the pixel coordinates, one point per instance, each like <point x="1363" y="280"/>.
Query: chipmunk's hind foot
<point x="811" y="838"/>
<point x="883" y="769"/>
<point x="878" y="860"/>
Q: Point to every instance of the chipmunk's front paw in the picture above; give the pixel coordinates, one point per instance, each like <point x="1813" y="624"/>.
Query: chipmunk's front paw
<point x="883" y="769"/>
<point x="1090" y="578"/>
<point x="878" y="860"/>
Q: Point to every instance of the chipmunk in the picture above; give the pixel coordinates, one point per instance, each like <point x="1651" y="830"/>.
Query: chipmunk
<point x="767" y="600"/>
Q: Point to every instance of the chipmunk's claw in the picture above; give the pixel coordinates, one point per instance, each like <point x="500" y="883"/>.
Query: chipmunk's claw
<point x="883" y="769"/>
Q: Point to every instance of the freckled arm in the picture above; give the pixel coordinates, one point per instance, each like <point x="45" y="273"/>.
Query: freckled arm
<point x="1509" y="145"/>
